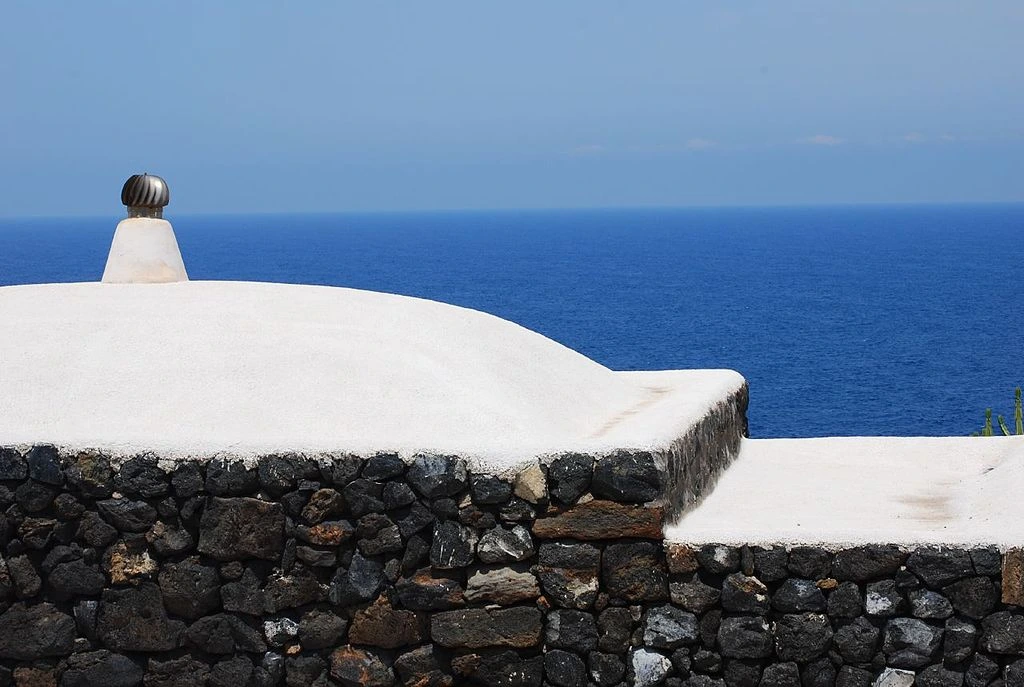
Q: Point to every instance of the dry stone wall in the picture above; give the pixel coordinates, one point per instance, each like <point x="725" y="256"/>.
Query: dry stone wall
<point x="374" y="571"/>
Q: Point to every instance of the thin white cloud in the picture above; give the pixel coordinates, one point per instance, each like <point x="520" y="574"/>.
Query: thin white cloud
<point x="947" y="137"/>
<point x="700" y="144"/>
<point x="914" y="137"/>
<point x="822" y="140"/>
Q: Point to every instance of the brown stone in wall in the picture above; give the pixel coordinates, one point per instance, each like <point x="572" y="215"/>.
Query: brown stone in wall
<point x="681" y="559"/>
<point x="383" y="626"/>
<point x="603" y="520"/>
<point x="1013" y="577"/>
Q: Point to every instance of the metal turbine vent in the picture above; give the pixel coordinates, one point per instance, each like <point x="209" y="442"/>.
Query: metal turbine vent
<point x="145" y="195"/>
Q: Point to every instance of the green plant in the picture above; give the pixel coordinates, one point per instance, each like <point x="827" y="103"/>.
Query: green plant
<point x="1018" y="416"/>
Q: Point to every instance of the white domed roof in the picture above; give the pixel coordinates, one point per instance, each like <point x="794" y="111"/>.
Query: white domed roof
<point x="194" y="368"/>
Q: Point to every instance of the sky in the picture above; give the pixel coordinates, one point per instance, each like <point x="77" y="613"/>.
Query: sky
<point x="324" y="106"/>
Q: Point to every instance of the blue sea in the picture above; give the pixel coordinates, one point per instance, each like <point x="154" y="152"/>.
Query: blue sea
<point x="846" y="320"/>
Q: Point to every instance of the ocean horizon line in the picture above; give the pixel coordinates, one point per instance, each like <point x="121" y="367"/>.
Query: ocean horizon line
<point x="540" y="210"/>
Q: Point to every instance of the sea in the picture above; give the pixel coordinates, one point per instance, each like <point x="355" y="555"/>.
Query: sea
<point x="845" y="320"/>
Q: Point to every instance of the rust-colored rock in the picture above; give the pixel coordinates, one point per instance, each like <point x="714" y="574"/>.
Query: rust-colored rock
<point x="1013" y="577"/>
<point x="603" y="520"/>
<point x="382" y="626"/>
<point x="354" y="667"/>
<point x="124" y="562"/>
<point x="681" y="559"/>
<point x="35" y="677"/>
<point x="330" y="533"/>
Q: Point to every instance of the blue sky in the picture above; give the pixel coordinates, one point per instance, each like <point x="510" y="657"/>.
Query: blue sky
<point x="334" y="106"/>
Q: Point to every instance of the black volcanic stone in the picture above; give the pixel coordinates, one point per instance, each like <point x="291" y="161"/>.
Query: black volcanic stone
<point x="44" y="465"/>
<point x="487" y="490"/>
<point x="569" y="573"/>
<point x="505" y="668"/>
<point x="929" y="605"/>
<point x="28" y="633"/>
<point x="745" y="637"/>
<point x="739" y="672"/>
<point x="134" y="619"/>
<point x="75" y="578"/>
<point x="417" y="551"/>
<point x="939" y="567"/>
<point x="867" y="563"/>
<point x="34" y="497"/>
<point x="667" y="627"/>
<point x="341" y="470"/>
<point x="12" y="465"/>
<point x="615" y="626"/>
<point x="241" y="528"/>
<point x="770" y="564"/>
<point x="987" y="560"/>
<point x="453" y="546"/>
<point x="187" y="480"/>
<point x="1003" y="633"/>
<point x="797" y="596"/>
<point x="606" y="670"/>
<point x="959" y="639"/>
<point x="500" y="545"/>
<point x="845" y="601"/>
<point x="422" y="666"/>
<point x="910" y="643"/>
<point x="383" y="466"/>
<point x="628" y="477"/>
<point x="571" y="630"/>
<point x="94" y="531"/>
<point x="243" y="595"/>
<point x="278" y="474"/>
<point x="780" y="675"/>
<point x="364" y="496"/>
<point x="818" y="673"/>
<point x="67" y="507"/>
<point x="938" y="676"/>
<point x="320" y="629"/>
<point x="230" y="478"/>
<point x="563" y="669"/>
<point x="802" y="637"/>
<point x="857" y="642"/>
<point x="569" y="477"/>
<point x="694" y="595"/>
<point x="298" y="588"/>
<point x="710" y="623"/>
<point x="705" y="661"/>
<point x="974" y="597"/>
<point x="634" y="571"/>
<point x="170" y="541"/>
<point x="851" y="676"/>
<point x="742" y="594"/>
<point x="884" y="599"/>
<point x="437" y="476"/>
<point x="127" y="515"/>
<point x="231" y="672"/>
<point x="981" y="671"/>
<point x="100" y="668"/>
<point x="517" y="510"/>
<point x="360" y="582"/>
<point x="224" y="633"/>
<point x="397" y="495"/>
<point x="140" y="476"/>
<point x="178" y="672"/>
<point x="719" y="559"/>
<point x="810" y="562"/>
<point x="189" y="590"/>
